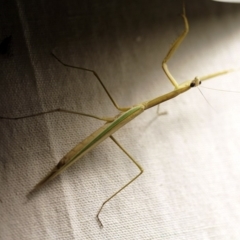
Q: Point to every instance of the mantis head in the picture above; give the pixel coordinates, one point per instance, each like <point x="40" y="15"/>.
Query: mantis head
<point x="196" y="82"/>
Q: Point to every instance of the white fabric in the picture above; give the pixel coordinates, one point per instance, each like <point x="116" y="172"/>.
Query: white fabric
<point x="190" y="188"/>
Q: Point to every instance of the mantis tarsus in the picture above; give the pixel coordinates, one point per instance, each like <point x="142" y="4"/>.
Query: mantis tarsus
<point x="126" y="115"/>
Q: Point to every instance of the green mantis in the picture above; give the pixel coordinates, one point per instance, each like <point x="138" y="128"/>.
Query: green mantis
<point x="126" y="114"/>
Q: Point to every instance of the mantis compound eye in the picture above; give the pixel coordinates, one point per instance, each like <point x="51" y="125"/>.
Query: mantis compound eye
<point x="193" y="84"/>
<point x="196" y="82"/>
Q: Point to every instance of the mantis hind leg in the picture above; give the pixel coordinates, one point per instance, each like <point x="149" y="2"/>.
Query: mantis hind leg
<point x="97" y="77"/>
<point x="173" y="48"/>
<point x="141" y="171"/>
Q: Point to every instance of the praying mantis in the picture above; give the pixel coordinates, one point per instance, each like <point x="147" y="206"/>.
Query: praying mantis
<point x="126" y="114"/>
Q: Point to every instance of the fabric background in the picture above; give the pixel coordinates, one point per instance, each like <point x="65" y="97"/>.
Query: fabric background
<point x="190" y="188"/>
